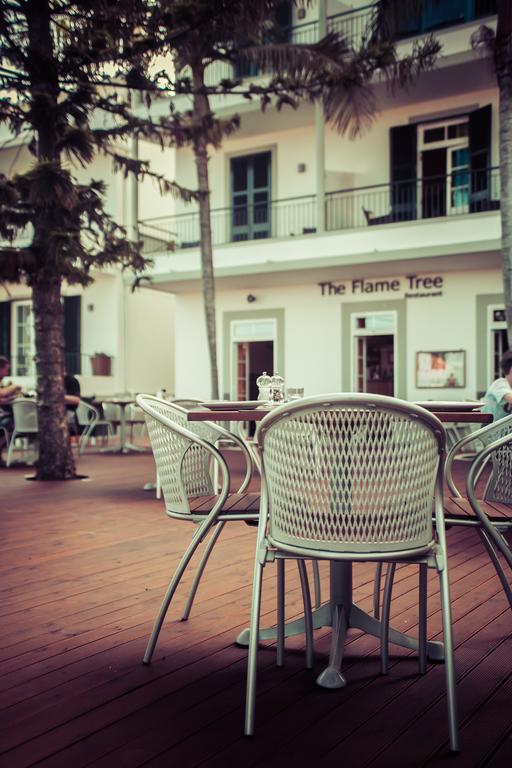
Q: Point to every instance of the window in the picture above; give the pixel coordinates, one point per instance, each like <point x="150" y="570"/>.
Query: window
<point x="497" y="324"/>
<point x="23" y="344"/>
<point x="437" y="14"/>
<point x="444" y="167"/>
<point x="250" y="197"/>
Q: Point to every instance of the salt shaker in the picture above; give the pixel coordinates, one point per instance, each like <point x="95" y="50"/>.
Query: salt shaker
<point x="263" y="384"/>
<point x="277" y="389"/>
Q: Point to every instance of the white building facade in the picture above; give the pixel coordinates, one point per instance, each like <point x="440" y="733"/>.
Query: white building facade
<point x="368" y="264"/>
<point x="116" y="340"/>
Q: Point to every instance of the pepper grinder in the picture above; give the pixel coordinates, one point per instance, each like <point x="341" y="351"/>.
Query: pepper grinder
<point x="263" y="384"/>
<point x="276" y="389"/>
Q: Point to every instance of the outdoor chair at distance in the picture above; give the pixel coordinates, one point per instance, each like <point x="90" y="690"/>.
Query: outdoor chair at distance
<point x="91" y="425"/>
<point x="489" y="512"/>
<point x="24" y="414"/>
<point x="184" y="461"/>
<point x="353" y="478"/>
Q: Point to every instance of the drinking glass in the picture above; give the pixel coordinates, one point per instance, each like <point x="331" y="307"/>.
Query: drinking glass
<point x="294" y="393"/>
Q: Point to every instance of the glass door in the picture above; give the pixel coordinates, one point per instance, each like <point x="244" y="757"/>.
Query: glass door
<point x="253" y="350"/>
<point x="458" y="180"/>
<point x="250" y="197"/>
<point x="374" y="353"/>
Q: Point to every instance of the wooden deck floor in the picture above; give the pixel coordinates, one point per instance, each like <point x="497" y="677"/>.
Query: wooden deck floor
<point x="83" y="568"/>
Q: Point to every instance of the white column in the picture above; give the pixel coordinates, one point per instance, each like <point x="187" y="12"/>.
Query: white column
<point x="320" y="135"/>
<point x="134" y="195"/>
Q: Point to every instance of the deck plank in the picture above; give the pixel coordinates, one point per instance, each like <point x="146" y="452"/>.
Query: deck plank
<point x="83" y="568"/>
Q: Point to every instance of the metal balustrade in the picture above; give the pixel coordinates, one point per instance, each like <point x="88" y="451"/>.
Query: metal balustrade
<point x="459" y="193"/>
<point x="462" y="192"/>
<point x="354" y="26"/>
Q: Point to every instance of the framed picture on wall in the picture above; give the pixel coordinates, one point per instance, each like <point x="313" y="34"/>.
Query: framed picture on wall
<point x="441" y="370"/>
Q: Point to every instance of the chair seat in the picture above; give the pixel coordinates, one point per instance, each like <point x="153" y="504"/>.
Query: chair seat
<point x="459" y="509"/>
<point x="244" y="504"/>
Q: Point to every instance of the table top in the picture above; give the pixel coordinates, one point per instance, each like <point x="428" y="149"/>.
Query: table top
<point x="256" y="414"/>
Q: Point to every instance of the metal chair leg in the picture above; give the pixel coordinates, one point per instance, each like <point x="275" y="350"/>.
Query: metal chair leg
<point x="280" y="612"/>
<point x="422" y="622"/>
<point x="449" y="661"/>
<point x="308" y="616"/>
<point x="386" y="609"/>
<point x="171" y="589"/>
<point x="316" y="583"/>
<point x="376" y="590"/>
<point x="252" y="660"/>
<point x="200" y="569"/>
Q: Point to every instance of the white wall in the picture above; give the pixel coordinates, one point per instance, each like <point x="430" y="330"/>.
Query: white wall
<point x="313" y="332"/>
<point x="149" y="328"/>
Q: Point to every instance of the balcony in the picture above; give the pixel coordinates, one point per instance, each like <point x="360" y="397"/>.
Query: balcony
<point x="460" y="193"/>
<point x="354" y="26"/>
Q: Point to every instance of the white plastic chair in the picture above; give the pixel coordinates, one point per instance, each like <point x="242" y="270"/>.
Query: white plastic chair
<point x="353" y="477"/>
<point x="184" y="462"/>
<point x="89" y="421"/>
<point x="25" y="424"/>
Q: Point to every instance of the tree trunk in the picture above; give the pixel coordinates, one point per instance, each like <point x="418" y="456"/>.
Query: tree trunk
<point x="503" y="58"/>
<point x="55" y="456"/>
<point x="202" y="110"/>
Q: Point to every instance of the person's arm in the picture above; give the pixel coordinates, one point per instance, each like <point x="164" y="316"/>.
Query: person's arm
<point x="8" y="392"/>
<point x="71" y="400"/>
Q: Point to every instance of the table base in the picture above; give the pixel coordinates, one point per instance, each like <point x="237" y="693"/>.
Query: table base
<point x="342" y="614"/>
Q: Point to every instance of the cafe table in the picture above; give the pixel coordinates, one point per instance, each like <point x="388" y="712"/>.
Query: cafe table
<point x="340" y="612"/>
<point x="124" y="446"/>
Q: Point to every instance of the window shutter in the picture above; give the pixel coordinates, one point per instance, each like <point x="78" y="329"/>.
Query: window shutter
<point x="403" y="157"/>
<point x="72" y="333"/>
<point x="5" y="328"/>
<point x="480" y="160"/>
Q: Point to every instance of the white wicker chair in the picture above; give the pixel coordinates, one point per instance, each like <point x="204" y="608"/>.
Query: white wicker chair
<point x="89" y="421"/>
<point x="25" y="424"/>
<point x="491" y="515"/>
<point x="353" y="477"/>
<point x="184" y="463"/>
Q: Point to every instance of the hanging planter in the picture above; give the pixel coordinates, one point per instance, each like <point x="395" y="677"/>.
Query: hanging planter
<point x="101" y="364"/>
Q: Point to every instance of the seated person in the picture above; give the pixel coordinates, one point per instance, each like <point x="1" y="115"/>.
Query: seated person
<point x="8" y="393"/>
<point x="498" y="398"/>
<point x="72" y="399"/>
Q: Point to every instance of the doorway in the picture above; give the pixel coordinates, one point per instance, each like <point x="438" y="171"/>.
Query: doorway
<point x="374" y="353"/>
<point x="252" y="358"/>
<point x="375" y="362"/>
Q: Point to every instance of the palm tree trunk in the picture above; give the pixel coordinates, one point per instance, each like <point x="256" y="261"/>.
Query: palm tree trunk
<point x="55" y="456"/>
<point x="200" y="145"/>
<point x="503" y="58"/>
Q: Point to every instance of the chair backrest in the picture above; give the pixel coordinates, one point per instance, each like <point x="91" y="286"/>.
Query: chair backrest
<point x="24" y="414"/>
<point x="134" y="413"/>
<point x="85" y="413"/>
<point x="351" y="473"/>
<point x="477" y="441"/>
<point x="182" y="457"/>
<point x="499" y="485"/>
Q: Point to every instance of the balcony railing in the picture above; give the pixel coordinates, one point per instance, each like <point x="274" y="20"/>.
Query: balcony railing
<point x="354" y="26"/>
<point x="462" y="192"/>
<point x="76" y="363"/>
<point x="276" y="218"/>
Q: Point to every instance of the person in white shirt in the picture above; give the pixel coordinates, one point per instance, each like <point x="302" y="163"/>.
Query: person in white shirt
<point x="498" y="398"/>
